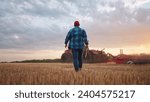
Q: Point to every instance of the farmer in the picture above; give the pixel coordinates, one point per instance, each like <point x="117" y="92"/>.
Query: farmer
<point x="77" y="39"/>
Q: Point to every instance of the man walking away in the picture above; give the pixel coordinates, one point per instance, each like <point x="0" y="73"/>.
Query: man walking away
<point x="77" y="39"/>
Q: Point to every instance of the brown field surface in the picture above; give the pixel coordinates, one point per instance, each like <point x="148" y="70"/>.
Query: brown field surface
<point x="64" y="74"/>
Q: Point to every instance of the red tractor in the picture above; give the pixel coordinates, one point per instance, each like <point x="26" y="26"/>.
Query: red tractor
<point x="123" y="59"/>
<point x="130" y="59"/>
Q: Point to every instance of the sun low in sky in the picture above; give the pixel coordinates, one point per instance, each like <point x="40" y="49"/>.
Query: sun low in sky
<point x="36" y="29"/>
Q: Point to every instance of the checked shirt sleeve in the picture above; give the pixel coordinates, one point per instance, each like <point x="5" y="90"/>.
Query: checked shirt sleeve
<point x="85" y="37"/>
<point x="68" y="37"/>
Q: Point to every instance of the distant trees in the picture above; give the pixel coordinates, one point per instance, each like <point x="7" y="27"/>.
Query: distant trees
<point x="39" y="61"/>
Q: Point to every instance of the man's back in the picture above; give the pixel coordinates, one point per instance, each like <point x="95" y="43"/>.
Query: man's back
<point x="76" y="37"/>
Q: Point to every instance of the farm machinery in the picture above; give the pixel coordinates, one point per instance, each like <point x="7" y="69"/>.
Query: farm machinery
<point x="100" y="56"/>
<point x="122" y="59"/>
<point x="90" y="56"/>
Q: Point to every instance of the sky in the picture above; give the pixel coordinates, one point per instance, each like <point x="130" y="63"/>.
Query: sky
<point x="36" y="29"/>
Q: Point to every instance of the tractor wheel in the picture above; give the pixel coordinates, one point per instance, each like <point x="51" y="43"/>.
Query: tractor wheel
<point x="130" y="62"/>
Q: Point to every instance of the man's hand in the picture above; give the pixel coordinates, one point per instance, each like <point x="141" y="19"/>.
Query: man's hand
<point x="65" y="45"/>
<point x="87" y="46"/>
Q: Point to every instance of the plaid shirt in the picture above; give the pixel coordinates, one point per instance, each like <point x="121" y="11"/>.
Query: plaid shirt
<point x="77" y="38"/>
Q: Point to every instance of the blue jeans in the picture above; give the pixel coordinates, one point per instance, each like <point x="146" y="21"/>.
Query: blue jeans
<point x="77" y="58"/>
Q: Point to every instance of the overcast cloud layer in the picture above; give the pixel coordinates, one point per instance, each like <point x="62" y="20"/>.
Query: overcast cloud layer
<point x="43" y="24"/>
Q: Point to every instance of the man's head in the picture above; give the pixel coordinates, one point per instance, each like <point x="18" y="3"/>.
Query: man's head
<point x="76" y="23"/>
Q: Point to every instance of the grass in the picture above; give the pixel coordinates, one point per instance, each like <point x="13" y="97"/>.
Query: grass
<point x="64" y="74"/>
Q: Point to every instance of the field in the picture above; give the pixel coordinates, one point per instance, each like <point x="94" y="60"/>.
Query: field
<point x="64" y="74"/>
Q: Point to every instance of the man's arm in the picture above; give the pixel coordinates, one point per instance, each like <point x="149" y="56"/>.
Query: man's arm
<point x="85" y="38"/>
<point x="67" y="39"/>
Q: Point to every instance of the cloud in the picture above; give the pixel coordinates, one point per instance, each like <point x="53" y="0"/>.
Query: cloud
<point x="43" y="24"/>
